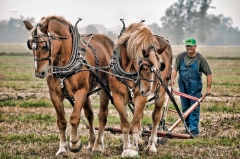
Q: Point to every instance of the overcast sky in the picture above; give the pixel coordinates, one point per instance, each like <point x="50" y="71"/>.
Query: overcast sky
<point x="106" y="12"/>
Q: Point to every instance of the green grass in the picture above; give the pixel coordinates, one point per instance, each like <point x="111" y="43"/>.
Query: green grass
<point x="29" y="138"/>
<point x="209" y="142"/>
<point x="219" y="107"/>
<point x="26" y="103"/>
<point x="40" y="118"/>
<point x="17" y="76"/>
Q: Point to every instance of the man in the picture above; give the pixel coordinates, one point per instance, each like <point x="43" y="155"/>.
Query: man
<point x="190" y="64"/>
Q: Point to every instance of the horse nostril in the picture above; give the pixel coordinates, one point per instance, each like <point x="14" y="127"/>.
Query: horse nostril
<point x="43" y="74"/>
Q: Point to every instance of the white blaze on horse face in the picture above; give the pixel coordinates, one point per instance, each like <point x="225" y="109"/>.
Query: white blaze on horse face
<point x="151" y="83"/>
<point x="35" y="62"/>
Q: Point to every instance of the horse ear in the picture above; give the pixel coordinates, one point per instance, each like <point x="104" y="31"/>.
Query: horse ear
<point x="28" y="25"/>
<point x="144" y="53"/>
<point x="44" y="29"/>
<point x="159" y="51"/>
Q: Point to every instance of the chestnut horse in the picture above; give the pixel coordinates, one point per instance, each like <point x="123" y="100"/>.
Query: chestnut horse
<point x="137" y="57"/>
<point x="66" y="60"/>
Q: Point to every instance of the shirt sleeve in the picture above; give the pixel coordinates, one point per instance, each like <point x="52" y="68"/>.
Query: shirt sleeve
<point x="177" y="61"/>
<point x="204" y="66"/>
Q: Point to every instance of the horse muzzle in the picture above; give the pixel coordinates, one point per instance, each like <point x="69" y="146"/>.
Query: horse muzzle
<point x="41" y="74"/>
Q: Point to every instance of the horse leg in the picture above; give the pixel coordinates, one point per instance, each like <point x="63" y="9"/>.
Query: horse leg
<point x="102" y="118"/>
<point x="136" y="124"/>
<point x="90" y="117"/>
<point x="61" y="122"/>
<point x="156" y="115"/>
<point x="125" y="125"/>
<point x="75" y="143"/>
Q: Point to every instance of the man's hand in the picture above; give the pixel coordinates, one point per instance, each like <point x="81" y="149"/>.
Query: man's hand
<point x="208" y="92"/>
<point x="209" y="83"/>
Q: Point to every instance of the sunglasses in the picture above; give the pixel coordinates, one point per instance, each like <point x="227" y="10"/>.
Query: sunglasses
<point x="189" y="46"/>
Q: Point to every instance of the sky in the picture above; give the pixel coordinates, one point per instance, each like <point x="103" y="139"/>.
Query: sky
<point x="106" y="12"/>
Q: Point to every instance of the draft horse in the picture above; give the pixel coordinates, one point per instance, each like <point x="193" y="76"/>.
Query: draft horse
<point x="67" y="60"/>
<point x="137" y="58"/>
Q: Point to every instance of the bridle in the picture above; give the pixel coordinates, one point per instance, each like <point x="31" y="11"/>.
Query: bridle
<point x="48" y="43"/>
<point x="35" y="43"/>
<point x="145" y="61"/>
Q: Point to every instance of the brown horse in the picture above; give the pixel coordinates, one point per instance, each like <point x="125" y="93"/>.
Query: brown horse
<point x="137" y="57"/>
<point x="67" y="61"/>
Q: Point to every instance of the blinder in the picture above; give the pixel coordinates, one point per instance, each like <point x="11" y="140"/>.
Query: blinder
<point x="145" y="61"/>
<point x="35" y="45"/>
<point x="47" y="45"/>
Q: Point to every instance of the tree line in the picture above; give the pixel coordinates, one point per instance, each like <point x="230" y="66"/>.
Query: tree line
<point x="185" y="18"/>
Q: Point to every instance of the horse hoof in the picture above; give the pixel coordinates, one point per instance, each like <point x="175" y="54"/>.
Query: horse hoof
<point x="151" y="151"/>
<point x="75" y="147"/>
<point x="129" y="153"/>
<point x="61" y="151"/>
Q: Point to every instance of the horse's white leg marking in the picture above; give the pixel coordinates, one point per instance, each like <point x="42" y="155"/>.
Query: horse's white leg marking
<point x="153" y="141"/>
<point x="63" y="143"/>
<point x="99" y="142"/>
<point x="135" y="148"/>
<point x="126" y="146"/>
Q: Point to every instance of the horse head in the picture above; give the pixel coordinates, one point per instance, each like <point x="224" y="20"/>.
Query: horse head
<point x="144" y="51"/>
<point x="149" y="64"/>
<point x="51" y="43"/>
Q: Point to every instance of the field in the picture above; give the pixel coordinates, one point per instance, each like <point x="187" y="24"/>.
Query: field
<point x="28" y="126"/>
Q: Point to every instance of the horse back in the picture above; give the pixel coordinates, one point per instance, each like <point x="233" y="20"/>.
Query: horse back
<point x="103" y="46"/>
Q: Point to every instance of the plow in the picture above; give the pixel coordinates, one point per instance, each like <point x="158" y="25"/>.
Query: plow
<point x="165" y="129"/>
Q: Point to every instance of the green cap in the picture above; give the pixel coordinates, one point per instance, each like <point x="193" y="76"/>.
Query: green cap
<point x="190" y="41"/>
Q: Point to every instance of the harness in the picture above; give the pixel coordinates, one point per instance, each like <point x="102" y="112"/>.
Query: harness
<point x="77" y="60"/>
<point x="135" y="77"/>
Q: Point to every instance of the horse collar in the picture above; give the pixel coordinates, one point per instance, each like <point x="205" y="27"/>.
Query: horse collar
<point x="75" y="62"/>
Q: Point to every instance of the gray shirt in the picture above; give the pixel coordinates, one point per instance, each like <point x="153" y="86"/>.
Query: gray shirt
<point x="203" y="66"/>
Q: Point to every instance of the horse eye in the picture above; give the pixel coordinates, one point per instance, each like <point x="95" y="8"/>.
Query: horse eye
<point x="44" y="48"/>
<point x="145" y="67"/>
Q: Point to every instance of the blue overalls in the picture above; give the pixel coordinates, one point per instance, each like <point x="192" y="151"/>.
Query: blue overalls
<point x="190" y="82"/>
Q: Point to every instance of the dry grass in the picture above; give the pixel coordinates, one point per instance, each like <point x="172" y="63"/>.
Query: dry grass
<point x="31" y="131"/>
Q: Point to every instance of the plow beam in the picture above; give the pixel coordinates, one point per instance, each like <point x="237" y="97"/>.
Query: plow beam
<point x="148" y="133"/>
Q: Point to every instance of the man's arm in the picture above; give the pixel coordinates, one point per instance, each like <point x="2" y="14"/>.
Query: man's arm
<point x="173" y="77"/>
<point x="209" y="83"/>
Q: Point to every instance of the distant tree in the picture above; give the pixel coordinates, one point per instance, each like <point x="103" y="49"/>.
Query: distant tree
<point x="112" y="35"/>
<point x="91" y="29"/>
<point x="191" y="12"/>
<point x="100" y="28"/>
<point x="14" y="30"/>
<point x="156" y="29"/>
<point x="204" y="21"/>
<point x="225" y="34"/>
<point x="174" y="22"/>
<point x="3" y="30"/>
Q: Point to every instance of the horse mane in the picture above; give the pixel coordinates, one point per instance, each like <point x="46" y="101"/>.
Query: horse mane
<point x="138" y="37"/>
<point x="45" y="20"/>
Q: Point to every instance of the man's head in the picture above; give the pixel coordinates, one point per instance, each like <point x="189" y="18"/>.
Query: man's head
<point x="190" y="45"/>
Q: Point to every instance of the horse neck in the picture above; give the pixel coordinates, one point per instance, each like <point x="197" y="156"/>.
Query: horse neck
<point x="64" y="51"/>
